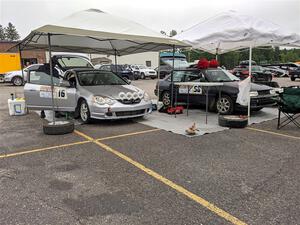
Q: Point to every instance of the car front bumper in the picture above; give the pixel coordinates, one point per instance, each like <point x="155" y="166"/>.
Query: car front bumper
<point x="120" y="111"/>
<point x="260" y="102"/>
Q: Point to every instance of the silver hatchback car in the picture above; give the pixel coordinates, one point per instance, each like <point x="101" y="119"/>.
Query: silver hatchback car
<point x="90" y="93"/>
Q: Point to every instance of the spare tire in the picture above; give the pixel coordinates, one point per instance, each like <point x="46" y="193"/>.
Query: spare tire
<point x="233" y="121"/>
<point x="58" y="128"/>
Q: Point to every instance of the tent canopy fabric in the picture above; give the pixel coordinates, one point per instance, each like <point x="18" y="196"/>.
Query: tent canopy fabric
<point x="231" y="31"/>
<point x="94" y="31"/>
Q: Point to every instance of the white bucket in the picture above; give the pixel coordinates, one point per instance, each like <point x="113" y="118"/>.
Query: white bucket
<point x="16" y="107"/>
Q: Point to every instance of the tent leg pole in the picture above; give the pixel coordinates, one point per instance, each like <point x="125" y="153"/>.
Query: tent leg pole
<point x="172" y="76"/>
<point x="21" y="63"/>
<point x="158" y="77"/>
<point x="51" y="75"/>
<point x="116" y="61"/>
<point x="250" y="72"/>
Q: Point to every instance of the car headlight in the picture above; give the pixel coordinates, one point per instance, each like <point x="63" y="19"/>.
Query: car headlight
<point x="146" y="97"/>
<point x="103" y="100"/>
<point x="272" y="92"/>
<point x="253" y="93"/>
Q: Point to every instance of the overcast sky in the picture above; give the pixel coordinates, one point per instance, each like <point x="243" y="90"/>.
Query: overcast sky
<point x="158" y="15"/>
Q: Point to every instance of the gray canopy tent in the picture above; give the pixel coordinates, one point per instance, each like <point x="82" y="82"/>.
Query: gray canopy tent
<point x="94" y="31"/>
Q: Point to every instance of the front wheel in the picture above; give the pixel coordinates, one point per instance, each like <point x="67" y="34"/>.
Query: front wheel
<point x="225" y="105"/>
<point x="17" y="81"/>
<point x="166" y="98"/>
<point x="143" y="76"/>
<point x="85" y="115"/>
<point x="293" y="78"/>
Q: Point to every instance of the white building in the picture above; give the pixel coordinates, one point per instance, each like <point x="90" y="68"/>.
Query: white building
<point x="149" y="59"/>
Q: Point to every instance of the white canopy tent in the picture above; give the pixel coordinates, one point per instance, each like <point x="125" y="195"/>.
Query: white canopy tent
<point x="231" y="31"/>
<point x="94" y="31"/>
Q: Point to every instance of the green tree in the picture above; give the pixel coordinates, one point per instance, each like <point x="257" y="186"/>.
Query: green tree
<point x="173" y="33"/>
<point x="11" y="33"/>
<point x="2" y="33"/>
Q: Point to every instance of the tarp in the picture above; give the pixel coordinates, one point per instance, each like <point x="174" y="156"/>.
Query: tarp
<point x="94" y="31"/>
<point x="231" y="31"/>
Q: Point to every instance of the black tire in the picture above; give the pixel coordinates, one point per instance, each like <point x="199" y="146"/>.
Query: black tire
<point x="17" y="81"/>
<point x="269" y="79"/>
<point x="232" y="121"/>
<point x="225" y="105"/>
<point x="153" y="78"/>
<point x="143" y="76"/>
<point x="60" y="127"/>
<point x="293" y="78"/>
<point x="164" y="96"/>
<point x="84" y="112"/>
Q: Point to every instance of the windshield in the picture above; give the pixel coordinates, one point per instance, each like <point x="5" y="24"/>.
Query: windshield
<point x="179" y="63"/>
<point x="119" y="68"/>
<point x="95" y="78"/>
<point x="142" y="67"/>
<point x="74" y="62"/>
<point x="219" y="75"/>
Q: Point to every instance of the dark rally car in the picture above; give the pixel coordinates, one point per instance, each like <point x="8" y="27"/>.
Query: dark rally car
<point x="259" y="74"/>
<point x="261" y="95"/>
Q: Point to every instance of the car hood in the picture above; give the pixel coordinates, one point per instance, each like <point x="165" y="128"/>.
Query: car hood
<point x="148" y="70"/>
<point x="111" y="91"/>
<point x="14" y="72"/>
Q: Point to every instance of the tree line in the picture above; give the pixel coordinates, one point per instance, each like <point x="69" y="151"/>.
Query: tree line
<point x="9" y="33"/>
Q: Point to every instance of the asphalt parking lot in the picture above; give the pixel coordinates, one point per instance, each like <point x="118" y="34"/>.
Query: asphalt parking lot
<point x="128" y="173"/>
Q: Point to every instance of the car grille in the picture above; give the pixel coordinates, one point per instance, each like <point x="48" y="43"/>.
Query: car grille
<point x="152" y="72"/>
<point x="264" y="92"/>
<point x="130" y="101"/>
<point x="131" y="113"/>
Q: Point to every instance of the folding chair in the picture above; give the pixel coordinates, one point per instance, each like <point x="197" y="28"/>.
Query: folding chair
<point x="289" y="105"/>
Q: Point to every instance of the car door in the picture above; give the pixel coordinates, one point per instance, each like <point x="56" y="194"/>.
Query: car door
<point x="38" y="93"/>
<point x="196" y="92"/>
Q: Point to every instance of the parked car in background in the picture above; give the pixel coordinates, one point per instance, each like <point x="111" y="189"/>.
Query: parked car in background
<point x="90" y="93"/>
<point x="16" y="77"/>
<point x="294" y="73"/>
<point x="259" y="74"/>
<point x="62" y="62"/>
<point x="261" y="95"/>
<point x="277" y="72"/>
<point x="166" y="63"/>
<point x="144" y="71"/>
<point x="121" y="71"/>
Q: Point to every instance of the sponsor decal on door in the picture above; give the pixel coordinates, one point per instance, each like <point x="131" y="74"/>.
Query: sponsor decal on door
<point x="58" y="92"/>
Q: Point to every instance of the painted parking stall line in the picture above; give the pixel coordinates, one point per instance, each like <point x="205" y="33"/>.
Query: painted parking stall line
<point x="273" y="133"/>
<point x="56" y="147"/>
<point x="89" y="140"/>
<point x="218" y="211"/>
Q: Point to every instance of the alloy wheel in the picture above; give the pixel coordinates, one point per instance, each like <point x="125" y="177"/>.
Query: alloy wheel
<point x="18" y="81"/>
<point x="84" y="111"/>
<point x="223" y="105"/>
<point x="166" y="98"/>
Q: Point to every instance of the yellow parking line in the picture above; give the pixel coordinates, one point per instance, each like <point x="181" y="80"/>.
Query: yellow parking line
<point x="89" y="139"/>
<point x="42" y="149"/>
<point x="174" y="186"/>
<point x="83" y="135"/>
<point x="128" y="134"/>
<point x="273" y="133"/>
